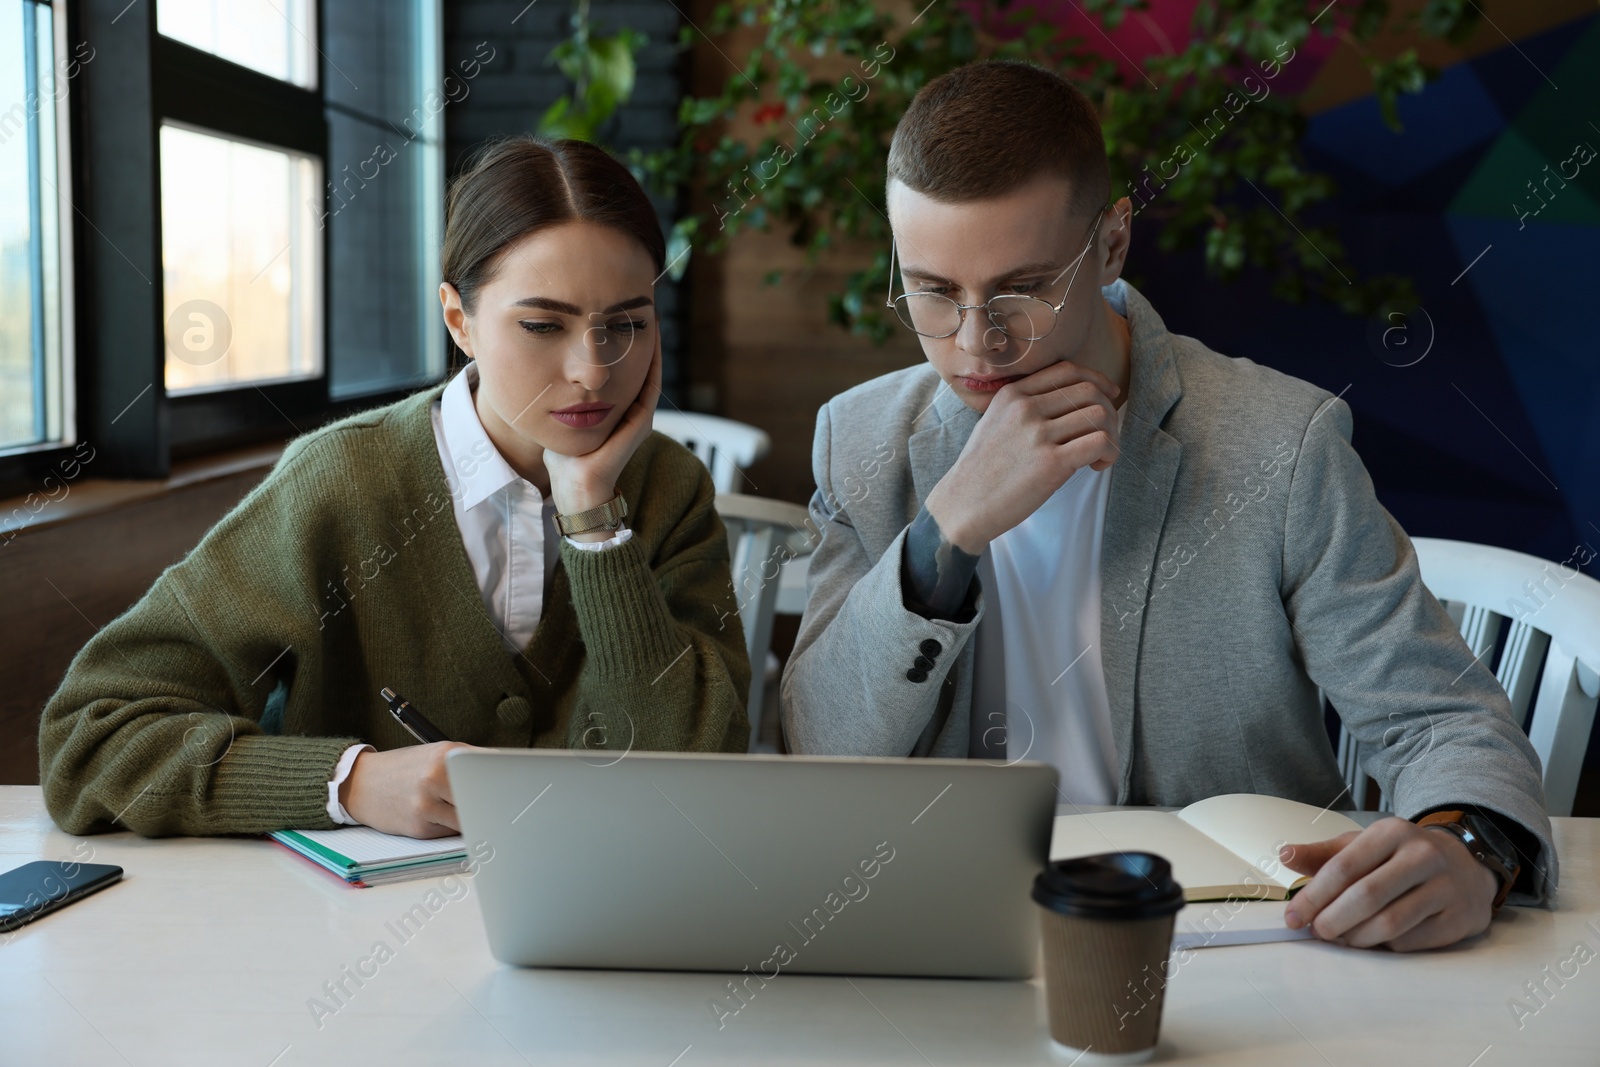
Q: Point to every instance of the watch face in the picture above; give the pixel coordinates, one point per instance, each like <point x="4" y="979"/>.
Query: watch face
<point x="1491" y="839"/>
<point x="1490" y="846"/>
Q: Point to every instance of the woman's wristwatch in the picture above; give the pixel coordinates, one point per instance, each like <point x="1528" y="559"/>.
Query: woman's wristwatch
<point x="607" y="516"/>
<point x="1488" y="845"/>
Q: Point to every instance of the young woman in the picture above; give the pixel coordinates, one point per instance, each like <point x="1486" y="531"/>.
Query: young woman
<point x="515" y="552"/>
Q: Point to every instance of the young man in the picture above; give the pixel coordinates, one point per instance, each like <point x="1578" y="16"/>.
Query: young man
<point x="1073" y="536"/>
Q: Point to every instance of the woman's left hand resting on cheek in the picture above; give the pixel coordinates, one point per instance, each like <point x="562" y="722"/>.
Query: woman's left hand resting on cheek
<point x="1394" y="884"/>
<point x="578" y="483"/>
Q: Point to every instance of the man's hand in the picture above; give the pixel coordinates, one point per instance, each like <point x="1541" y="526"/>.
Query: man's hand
<point x="403" y="791"/>
<point x="578" y="483"/>
<point x="1395" y="883"/>
<point x="1035" y="434"/>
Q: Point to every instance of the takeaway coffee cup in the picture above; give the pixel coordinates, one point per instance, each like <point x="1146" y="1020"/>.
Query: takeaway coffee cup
<point x="1107" y="926"/>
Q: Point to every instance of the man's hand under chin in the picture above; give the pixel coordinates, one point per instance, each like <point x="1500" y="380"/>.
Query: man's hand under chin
<point x="1394" y="884"/>
<point x="1034" y="435"/>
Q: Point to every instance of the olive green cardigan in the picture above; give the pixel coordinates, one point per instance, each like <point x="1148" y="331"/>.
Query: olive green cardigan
<point x="221" y="701"/>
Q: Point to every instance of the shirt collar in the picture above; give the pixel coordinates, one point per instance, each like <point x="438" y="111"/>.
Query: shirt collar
<point x="480" y="471"/>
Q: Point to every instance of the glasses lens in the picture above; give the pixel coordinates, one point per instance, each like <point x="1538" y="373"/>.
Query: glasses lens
<point x="929" y="314"/>
<point x="1024" y="318"/>
<point x="608" y="341"/>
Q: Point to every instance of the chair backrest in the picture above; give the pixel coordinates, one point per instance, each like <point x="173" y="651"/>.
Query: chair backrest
<point x="724" y="446"/>
<point x="1553" y="612"/>
<point x="762" y="535"/>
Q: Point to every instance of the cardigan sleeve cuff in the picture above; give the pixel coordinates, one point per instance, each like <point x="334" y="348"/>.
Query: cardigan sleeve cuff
<point x="273" y="783"/>
<point x="626" y="625"/>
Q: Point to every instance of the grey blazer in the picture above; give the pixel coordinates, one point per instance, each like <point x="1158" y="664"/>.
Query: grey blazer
<point x="1246" y="562"/>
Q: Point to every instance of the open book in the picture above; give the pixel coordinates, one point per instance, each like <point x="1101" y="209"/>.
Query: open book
<point x="1220" y="848"/>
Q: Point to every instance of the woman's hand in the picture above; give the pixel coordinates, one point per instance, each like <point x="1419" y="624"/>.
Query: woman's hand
<point x="403" y="791"/>
<point x="578" y="483"/>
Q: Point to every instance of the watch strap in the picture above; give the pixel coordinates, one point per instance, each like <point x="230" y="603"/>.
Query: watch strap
<point x="1486" y="843"/>
<point x="607" y="516"/>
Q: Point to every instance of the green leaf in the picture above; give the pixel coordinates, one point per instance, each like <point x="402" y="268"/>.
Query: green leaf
<point x="611" y="68"/>
<point x="701" y="112"/>
<point x="559" y="121"/>
<point x="679" y="241"/>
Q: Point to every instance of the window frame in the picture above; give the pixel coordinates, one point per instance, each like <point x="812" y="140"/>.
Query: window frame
<point x="205" y="92"/>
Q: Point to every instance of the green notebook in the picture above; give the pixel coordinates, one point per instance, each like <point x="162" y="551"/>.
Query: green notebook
<point x="365" y="857"/>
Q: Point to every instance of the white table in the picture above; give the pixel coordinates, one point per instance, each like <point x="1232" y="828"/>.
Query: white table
<point x="210" y="950"/>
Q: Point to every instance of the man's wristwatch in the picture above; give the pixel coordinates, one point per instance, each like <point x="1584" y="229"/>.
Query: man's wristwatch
<point x="1488" y="845"/>
<point x="607" y="516"/>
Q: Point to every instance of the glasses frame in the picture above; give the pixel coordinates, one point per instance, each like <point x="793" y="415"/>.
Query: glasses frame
<point x="962" y="309"/>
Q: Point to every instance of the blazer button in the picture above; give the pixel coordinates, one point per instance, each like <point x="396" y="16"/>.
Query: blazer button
<point x="915" y="675"/>
<point x="930" y="648"/>
<point x="923" y="663"/>
<point x="514" y="711"/>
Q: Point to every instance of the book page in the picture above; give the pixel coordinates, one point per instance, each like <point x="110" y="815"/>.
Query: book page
<point x="1251" y="826"/>
<point x="1216" y="923"/>
<point x="1205" y="869"/>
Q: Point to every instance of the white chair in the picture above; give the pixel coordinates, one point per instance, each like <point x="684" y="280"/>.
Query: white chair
<point x="727" y="448"/>
<point x="763" y="535"/>
<point x="724" y="446"/>
<point x="1552" y="609"/>
<point x="792" y="586"/>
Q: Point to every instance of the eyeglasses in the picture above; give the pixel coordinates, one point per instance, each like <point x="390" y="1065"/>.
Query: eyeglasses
<point x="1025" y="318"/>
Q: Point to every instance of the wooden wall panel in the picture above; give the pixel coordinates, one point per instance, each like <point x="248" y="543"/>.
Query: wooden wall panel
<point x="781" y="359"/>
<point x="61" y="582"/>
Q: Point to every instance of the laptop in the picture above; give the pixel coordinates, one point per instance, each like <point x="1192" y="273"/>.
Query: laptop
<point x="775" y="864"/>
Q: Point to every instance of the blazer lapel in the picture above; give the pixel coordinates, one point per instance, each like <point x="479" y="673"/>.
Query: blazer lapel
<point x="1136" y="511"/>
<point x="933" y="450"/>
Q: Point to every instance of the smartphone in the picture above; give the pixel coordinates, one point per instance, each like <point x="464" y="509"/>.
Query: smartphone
<point x="38" y="888"/>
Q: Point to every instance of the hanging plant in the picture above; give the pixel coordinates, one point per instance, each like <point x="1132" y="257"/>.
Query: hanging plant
<point x="602" y="71"/>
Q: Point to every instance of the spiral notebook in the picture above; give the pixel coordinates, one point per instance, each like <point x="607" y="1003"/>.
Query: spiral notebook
<point x="366" y="857"/>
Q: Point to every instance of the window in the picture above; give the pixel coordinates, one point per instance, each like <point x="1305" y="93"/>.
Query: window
<point x="251" y="210"/>
<point x="34" y="350"/>
<point x="254" y="208"/>
<point x="271" y="36"/>
<point x="240" y="259"/>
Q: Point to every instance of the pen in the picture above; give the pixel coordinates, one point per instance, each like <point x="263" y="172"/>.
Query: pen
<point x="414" y="721"/>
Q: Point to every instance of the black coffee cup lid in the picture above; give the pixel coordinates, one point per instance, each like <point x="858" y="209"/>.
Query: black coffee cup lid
<point x="1112" y="885"/>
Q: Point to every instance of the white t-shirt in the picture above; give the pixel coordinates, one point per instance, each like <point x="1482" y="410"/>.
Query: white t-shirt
<point x="1046" y="593"/>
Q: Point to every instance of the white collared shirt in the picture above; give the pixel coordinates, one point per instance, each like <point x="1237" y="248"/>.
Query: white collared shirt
<point x="507" y="526"/>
